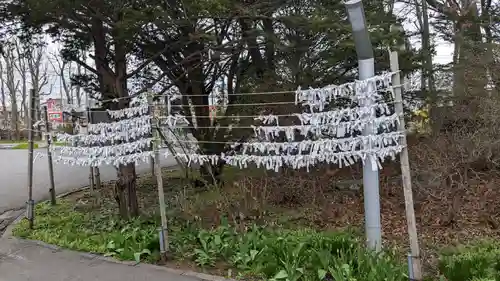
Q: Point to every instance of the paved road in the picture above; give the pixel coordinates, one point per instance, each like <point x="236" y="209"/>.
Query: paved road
<point x="26" y="261"/>
<point x="14" y="179"/>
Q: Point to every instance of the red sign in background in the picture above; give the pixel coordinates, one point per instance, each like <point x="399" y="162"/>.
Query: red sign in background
<point x="55" y="116"/>
<point x="54" y="111"/>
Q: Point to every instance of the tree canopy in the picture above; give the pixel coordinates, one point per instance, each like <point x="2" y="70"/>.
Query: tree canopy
<point x="193" y="47"/>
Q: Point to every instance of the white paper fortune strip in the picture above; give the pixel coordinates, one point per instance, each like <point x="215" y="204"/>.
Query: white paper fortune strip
<point x="321" y="146"/>
<point x="340" y="129"/>
<point x="129" y="112"/>
<point x="125" y="125"/>
<point x="358" y="91"/>
<point x="376" y="156"/>
<point x="105" y="151"/>
<point x="117" y="136"/>
<point x="332" y="116"/>
<point x="100" y="161"/>
<point x="316" y="118"/>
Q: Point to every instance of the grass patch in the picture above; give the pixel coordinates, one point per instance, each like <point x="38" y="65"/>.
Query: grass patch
<point x="25" y="145"/>
<point x="258" y="252"/>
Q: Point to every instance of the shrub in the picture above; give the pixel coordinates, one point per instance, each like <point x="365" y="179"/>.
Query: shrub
<point x="478" y="261"/>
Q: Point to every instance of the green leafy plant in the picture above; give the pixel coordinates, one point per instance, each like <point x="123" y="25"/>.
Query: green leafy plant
<point x="295" y="255"/>
<point x="62" y="226"/>
<point x="476" y="261"/>
<point x="260" y="252"/>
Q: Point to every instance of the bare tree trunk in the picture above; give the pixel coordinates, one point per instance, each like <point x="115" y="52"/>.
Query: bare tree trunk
<point x="63" y="68"/>
<point x="457" y="81"/>
<point x="12" y="87"/>
<point x="21" y="67"/>
<point x="78" y="94"/>
<point x="468" y="60"/>
<point x="38" y="73"/>
<point x="427" y="72"/>
<point x="420" y="21"/>
<point x="5" y="114"/>
<point x="490" y="45"/>
<point x="427" y="78"/>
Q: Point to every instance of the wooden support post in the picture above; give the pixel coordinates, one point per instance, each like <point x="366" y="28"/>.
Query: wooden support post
<point x="91" y="170"/>
<point x="97" y="174"/>
<point x="48" y="136"/>
<point x="92" y="184"/>
<point x="405" y="171"/>
<point x="91" y="180"/>
<point x="152" y="157"/>
<point x="152" y="163"/>
<point x="164" y="244"/>
<point x="30" y="208"/>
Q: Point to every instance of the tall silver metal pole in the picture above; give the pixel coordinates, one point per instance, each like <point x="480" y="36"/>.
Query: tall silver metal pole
<point x="366" y="66"/>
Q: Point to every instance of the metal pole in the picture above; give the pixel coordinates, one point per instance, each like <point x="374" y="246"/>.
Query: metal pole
<point x="52" y="189"/>
<point x="30" y="212"/>
<point x="406" y="173"/>
<point x="366" y="66"/>
<point x="159" y="181"/>
<point x="411" y="276"/>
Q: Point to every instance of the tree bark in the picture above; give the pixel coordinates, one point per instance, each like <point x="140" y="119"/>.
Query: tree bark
<point x="113" y="84"/>
<point x="125" y="191"/>
<point x="5" y="113"/>
<point x="12" y="87"/>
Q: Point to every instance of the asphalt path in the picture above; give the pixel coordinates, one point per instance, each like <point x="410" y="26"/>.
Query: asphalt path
<point x="14" y="177"/>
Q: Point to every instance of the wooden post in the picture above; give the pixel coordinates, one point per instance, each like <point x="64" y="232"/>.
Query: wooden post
<point x="97" y="174"/>
<point x="30" y="208"/>
<point x="151" y="158"/>
<point x="159" y="179"/>
<point x="405" y="171"/>
<point x="91" y="180"/>
<point x="52" y="189"/>
<point x="91" y="171"/>
<point x="152" y="163"/>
